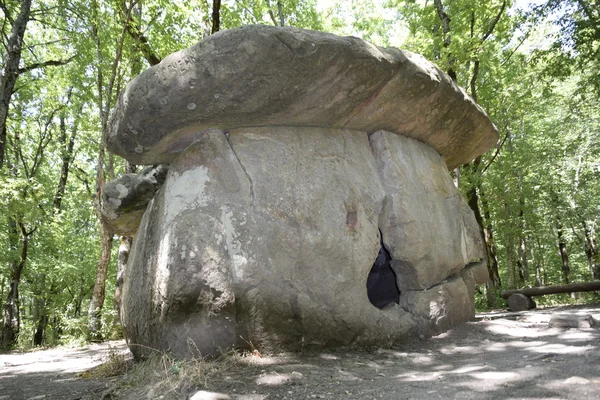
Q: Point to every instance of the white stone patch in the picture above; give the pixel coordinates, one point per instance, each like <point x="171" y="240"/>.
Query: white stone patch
<point x="239" y="258"/>
<point x="464" y="238"/>
<point x="139" y="149"/>
<point x="122" y="189"/>
<point x="115" y="202"/>
<point x="191" y="106"/>
<point x="186" y="192"/>
<point x="161" y="283"/>
<point x="183" y="252"/>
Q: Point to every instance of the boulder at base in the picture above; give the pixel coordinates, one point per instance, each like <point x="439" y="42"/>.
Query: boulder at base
<point x="261" y="236"/>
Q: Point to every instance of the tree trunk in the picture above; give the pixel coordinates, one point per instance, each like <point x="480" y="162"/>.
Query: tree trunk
<point x="216" y="16"/>
<point x="280" y="12"/>
<point x="510" y="268"/>
<point x="445" y="20"/>
<point x="562" y="248"/>
<point x="10" y="69"/>
<point x="99" y="292"/>
<point x="473" y="201"/>
<point x="591" y="251"/>
<point x="67" y="157"/>
<point x="40" y="315"/>
<point x="124" y="249"/>
<point x="132" y="15"/>
<point x="11" y="319"/>
<point x="104" y="99"/>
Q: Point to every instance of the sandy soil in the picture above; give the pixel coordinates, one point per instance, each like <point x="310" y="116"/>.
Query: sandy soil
<point x="55" y="373"/>
<point x="497" y="356"/>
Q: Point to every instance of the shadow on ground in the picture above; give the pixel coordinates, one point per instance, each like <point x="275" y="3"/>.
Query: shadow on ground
<point x="54" y="373"/>
<point x="497" y="356"/>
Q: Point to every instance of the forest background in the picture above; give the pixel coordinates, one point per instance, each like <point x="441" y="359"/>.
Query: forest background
<point x="533" y="67"/>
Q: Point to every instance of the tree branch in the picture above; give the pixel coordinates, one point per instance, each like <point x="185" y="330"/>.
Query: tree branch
<point x="49" y="63"/>
<point x="6" y="12"/>
<point x="216" y="16"/>
<point x="494" y="22"/>
<point x="271" y="13"/>
<point x="496" y="153"/>
<point x="133" y="29"/>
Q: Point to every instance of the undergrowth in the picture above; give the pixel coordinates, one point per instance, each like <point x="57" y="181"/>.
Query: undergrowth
<point x="162" y="374"/>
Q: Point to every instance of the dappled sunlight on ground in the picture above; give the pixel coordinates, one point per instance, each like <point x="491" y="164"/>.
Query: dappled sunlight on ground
<point x="498" y="356"/>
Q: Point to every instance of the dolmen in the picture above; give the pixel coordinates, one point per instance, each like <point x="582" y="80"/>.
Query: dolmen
<point x="307" y="201"/>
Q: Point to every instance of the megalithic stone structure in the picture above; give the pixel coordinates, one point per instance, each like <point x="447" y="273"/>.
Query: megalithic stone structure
<point x="293" y="156"/>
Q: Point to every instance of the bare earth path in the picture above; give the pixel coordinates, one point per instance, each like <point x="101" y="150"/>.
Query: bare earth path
<point x="53" y="374"/>
<point x="498" y="356"/>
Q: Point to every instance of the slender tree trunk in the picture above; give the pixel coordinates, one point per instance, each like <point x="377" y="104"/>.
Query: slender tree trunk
<point x="132" y="13"/>
<point x="40" y="313"/>
<point x="67" y="143"/>
<point x="523" y="262"/>
<point x="10" y="69"/>
<point x="99" y="292"/>
<point x="67" y="157"/>
<point x="562" y="248"/>
<point x="591" y="251"/>
<point x="447" y="38"/>
<point x="495" y="283"/>
<point x="280" y="12"/>
<point x="104" y="99"/>
<point x="124" y="249"/>
<point x="11" y="321"/>
<point x="216" y="16"/>
<point x="510" y="267"/>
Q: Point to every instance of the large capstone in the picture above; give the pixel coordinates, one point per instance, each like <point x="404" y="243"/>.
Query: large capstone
<point x="307" y="203"/>
<point x="260" y="75"/>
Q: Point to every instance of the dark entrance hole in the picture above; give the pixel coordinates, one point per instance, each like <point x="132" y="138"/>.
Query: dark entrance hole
<point x="382" y="288"/>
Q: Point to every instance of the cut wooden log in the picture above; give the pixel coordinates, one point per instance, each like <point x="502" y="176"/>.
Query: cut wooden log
<point x="543" y="290"/>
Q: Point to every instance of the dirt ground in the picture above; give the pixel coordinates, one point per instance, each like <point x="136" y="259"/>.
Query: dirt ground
<point x="497" y="356"/>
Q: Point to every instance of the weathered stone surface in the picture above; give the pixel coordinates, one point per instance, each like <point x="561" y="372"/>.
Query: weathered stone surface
<point x="472" y="239"/>
<point x="441" y="307"/>
<point x="125" y="199"/>
<point x="479" y="272"/>
<point x="425" y="226"/>
<point x="567" y="321"/>
<point x="520" y="302"/>
<point x="260" y="75"/>
<point x="263" y="236"/>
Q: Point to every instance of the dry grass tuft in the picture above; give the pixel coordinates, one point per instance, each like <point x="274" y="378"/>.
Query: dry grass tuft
<point x="161" y="374"/>
<point x="117" y="364"/>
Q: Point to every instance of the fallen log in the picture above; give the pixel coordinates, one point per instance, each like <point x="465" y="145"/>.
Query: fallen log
<point x="543" y="290"/>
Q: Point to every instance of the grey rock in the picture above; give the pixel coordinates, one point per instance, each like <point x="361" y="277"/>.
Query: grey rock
<point x="441" y="307"/>
<point x="479" y="271"/>
<point x="563" y="320"/>
<point x="426" y="227"/>
<point x="125" y="199"/>
<point x="520" y="302"/>
<point x="260" y="75"/>
<point x="261" y="237"/>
